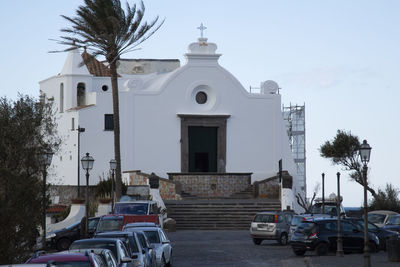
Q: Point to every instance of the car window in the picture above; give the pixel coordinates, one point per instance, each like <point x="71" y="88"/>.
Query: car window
<point x="265" y="218"/>
<point x="109" y="224"/>
<point x="347" y="227"/>
<point x="394" y="220"/>
<point x="152" y="236"/>
<point x="296" y="220"/>
<point x="376" y="218"/>
<point x="142" y="240"/>
<point x="131" y="208"/>
<point x="95" y="244"/>
<point x="331" y="226"/>
<point x="122" y="248"/>
<point x="93" y="224"/>
<point x="163" y="236"/>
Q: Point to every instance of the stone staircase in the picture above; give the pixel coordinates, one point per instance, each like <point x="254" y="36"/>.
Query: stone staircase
<point x="217" y="214"/>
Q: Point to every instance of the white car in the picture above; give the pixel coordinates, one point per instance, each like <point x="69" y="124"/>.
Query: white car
<point x="158" y="241"/>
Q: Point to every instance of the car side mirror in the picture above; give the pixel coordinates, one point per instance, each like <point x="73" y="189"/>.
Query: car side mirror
<point x="143" y="251"/>
<point x="126" y="260"/>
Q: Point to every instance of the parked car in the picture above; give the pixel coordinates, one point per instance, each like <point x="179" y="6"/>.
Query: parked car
<point x="159" y="241"/>
<point x="106" y="255"/>
<point x="115" y="222"/>
<point x="132" y="244"/>
<point x="380" y="217"/>
<point x="69" y="259"/>
<point x="271" y="225"/>
<point x="115" y="245"/>
<point x="328" y="206"/>
<point x="320" y="235"/>
<point x="144" y="210"/>
<point x="381" y="233"/>
<point x="393" y="224"/>
<point x="61" y="239"/>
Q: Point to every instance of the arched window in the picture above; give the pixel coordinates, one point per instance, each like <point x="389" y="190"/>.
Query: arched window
<point x="80" y="93"/>
<point x="61" y="98"/>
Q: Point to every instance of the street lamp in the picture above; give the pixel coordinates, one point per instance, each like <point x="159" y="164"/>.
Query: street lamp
<point x="87" y="164"/>
<point x="323" y="193"/>
<point x="365" y="153"/>
<point x="45" y="161"/>
<point x="113" y="166"/>
<point x="339" y="251"/>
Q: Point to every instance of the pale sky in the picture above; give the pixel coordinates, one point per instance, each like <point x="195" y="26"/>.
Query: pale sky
<point x="340" y="58"/>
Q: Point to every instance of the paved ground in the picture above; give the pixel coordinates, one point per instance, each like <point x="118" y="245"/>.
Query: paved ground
<point x="235" y="248"/>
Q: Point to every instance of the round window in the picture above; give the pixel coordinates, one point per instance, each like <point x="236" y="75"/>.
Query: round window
<point x="201" y="97"/>
<point x="104" y="88"/>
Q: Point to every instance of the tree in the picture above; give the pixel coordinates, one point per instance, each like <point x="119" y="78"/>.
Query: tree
<point x="343" y="150"/>
<point x="27" y="129"/>
<point x="106" y="29"/>
<point x="305" y="203"/>
<point x="386" y="199"/>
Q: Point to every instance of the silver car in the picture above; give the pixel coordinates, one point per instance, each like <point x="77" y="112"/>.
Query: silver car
<point x="271" y="225"/>
<point x="159" y="242"/>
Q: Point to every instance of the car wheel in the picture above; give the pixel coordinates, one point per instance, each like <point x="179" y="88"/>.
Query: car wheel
<point x="299" y="252"/>
<point x="283" y="240"/>
<point x="321" y="249"/>
<point x="63" y="244"/>
<point x="257" y="241"/>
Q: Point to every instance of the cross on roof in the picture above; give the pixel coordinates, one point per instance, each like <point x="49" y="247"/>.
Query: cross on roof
<point x="201" y="28"/>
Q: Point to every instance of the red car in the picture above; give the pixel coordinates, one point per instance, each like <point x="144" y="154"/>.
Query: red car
<point x="69" y="259"/>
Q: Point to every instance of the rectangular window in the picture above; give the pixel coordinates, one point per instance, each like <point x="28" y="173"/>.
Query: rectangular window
<point x="73" y="124"/>
<point x="108" y="122"/>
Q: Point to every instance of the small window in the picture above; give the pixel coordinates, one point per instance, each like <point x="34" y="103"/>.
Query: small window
<point x="104" y="88"/>
<point x="73" y="124"/>
<point x="108" y="122"/>
<point x="201" y="97"/>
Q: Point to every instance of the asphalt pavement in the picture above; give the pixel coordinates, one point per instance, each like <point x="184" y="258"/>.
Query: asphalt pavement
<point x="235" y="248"/>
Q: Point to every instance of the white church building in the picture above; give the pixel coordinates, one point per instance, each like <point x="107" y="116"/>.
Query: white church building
<point x="192" y="118"/>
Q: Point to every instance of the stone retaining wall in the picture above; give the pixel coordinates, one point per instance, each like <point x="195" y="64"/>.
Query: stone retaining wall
<point x="212" y="185"/>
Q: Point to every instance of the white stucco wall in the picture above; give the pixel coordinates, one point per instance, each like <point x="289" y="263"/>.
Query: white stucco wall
<point x="151" y="128"/>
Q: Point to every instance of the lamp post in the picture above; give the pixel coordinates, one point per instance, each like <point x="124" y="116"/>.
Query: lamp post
<point x="87" y="164"/>
<point x="339" y="251"/>
<point x="365" y="153"/>
<point x="323" y="193"/>
<point x="113" y="166"/>
<point x="80" y="130"/>
<point x="46" y="158"/>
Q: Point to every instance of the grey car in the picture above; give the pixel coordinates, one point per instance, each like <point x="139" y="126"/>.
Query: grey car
<point x="159" y="241"/>
<point x="271" y="225"/>
<point x="133" y="245"/>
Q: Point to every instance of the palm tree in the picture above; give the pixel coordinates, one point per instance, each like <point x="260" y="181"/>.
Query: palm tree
<point x="106" y="29"/>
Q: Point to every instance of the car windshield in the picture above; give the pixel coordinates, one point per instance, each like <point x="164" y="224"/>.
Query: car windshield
<point x="96" y="244"/>
<point x="109" y="224"/>
<point x="152" y="236"/>
<point x="265" y="218"/>
<point x="125" y="239"/>
<point x="329" y="209"/>
<point x="394" y="220"/>
<point x="296" y="220"/>
<point x="376" y="218"/>
<point x="131" y="208"/>
<point x="72" y="225"/>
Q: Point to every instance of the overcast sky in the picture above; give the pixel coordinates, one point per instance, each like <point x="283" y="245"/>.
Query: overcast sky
<point x="340" y="58"/>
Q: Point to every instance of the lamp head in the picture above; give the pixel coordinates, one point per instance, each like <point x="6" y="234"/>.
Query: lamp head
<point x="365" y="152"/>
<point x="87" y="162"/>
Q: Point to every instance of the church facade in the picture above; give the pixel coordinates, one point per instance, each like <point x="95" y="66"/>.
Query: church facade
<point x="195" y="118"/>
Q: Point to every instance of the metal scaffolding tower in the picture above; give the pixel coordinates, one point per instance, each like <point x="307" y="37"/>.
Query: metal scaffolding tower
<point x="295" y="124"/>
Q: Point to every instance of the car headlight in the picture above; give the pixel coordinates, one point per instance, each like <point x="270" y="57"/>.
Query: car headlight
<point x="50" y="236"/>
